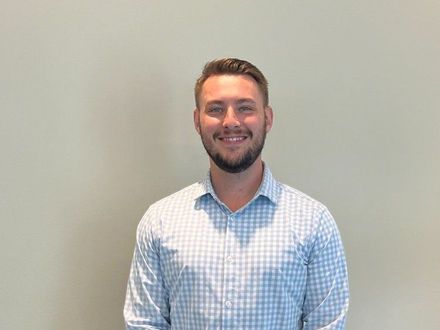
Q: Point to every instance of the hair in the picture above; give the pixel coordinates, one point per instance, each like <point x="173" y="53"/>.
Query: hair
<point x="231" y="66"/>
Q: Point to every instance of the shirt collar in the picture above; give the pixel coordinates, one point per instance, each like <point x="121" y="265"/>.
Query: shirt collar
<point x="268" y="187"/>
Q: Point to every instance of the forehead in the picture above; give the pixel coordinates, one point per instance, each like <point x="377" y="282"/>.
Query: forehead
<point x="223" y="87"/>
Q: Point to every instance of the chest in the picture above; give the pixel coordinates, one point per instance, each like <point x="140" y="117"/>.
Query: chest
<point x="245" y="249"/>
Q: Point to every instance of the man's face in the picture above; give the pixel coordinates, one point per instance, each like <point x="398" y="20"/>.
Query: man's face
<point x="232" y="121"/>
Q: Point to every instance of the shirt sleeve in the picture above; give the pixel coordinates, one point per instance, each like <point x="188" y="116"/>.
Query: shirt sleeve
<point x="327" y="295"/>
<point x="146" y="303"/>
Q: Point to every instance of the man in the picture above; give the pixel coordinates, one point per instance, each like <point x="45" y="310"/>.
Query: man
<point x="238" y="250"/>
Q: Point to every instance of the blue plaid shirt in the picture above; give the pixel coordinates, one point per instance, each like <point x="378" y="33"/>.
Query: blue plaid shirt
<point x="277" y="263"/>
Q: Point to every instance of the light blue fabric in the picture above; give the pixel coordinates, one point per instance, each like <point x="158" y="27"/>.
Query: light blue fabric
<point x="277" y="263"/>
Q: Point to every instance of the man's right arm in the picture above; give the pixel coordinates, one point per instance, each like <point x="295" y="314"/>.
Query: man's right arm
<point x="146" y="303"/>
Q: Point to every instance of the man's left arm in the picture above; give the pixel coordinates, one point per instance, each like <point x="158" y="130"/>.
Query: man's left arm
<point x="326" y="299"/>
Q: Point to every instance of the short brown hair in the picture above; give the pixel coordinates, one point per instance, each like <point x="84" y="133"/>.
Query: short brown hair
<point x="232" y="66"/>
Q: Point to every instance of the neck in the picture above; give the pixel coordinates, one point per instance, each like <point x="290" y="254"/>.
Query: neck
<point x="236" y="189"/>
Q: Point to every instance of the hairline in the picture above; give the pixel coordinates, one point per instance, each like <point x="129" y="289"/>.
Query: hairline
<point x="219" y="74"/>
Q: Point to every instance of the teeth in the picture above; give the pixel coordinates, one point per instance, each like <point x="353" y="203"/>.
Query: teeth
<point x="233" y="139"/>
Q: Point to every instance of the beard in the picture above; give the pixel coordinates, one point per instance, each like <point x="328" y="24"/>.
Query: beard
<point x="244" y="161"/>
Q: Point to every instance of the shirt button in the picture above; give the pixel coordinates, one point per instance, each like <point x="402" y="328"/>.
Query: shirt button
<point x="229" y="259"/>
<point x="231" y="218"/>
<point x="228" y="304"/>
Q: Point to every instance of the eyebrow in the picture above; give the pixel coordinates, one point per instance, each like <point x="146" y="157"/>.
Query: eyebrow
<point x="239" y="101"/>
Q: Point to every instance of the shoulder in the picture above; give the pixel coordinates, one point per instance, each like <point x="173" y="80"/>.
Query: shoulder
<point x="298" y="200"/>
<point x="306" y="214"/>
<point x="181" y="198"/>
<point x="174" y="204"/>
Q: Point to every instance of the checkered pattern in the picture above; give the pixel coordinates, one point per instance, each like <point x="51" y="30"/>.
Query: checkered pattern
<point x="277" y="263"/>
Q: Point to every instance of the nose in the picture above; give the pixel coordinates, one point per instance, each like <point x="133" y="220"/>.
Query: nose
<point x="230" y="120"/>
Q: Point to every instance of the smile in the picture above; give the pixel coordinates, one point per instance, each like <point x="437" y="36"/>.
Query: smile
<point x="233" y="139"/>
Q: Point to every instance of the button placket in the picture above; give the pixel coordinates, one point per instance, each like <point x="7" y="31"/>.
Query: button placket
<point x="230" y="279"/>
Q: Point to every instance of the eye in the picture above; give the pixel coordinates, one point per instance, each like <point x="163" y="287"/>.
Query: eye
<point x="215" y="109"/>
<point x="245" y="109"/>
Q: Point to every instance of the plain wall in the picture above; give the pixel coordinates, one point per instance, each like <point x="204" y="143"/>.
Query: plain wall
<point x="96" y="124"/>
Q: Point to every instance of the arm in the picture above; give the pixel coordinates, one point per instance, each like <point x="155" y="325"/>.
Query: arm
<point x="326" y="298"/>
<point x="146" y="303"/>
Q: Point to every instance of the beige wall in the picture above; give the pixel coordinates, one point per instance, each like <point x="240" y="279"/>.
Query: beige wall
<point x="96" y="124"/>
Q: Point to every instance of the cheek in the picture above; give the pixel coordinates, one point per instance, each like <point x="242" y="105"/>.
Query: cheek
<point x="255" y="123"/>
<point x="209" y="123"/>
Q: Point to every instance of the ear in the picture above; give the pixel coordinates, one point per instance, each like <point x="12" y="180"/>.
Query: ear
<point x="196" y="117"/>
<point x="268" y="113"/>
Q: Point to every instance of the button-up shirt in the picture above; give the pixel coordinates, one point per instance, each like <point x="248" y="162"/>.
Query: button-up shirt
<point x="276" y="263"/>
